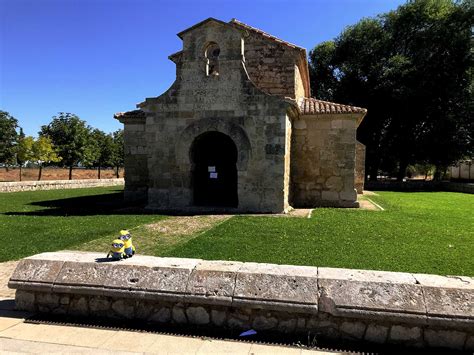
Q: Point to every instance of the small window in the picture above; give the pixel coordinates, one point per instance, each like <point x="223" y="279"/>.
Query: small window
<point x="212" y="57"/>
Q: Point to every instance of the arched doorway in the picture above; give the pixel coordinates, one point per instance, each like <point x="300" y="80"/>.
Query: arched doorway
<point x="214" y="171"/>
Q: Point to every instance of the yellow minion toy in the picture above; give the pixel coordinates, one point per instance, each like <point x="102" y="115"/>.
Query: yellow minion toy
<point x="126" y="237"/>
<point x="117" y="250"/>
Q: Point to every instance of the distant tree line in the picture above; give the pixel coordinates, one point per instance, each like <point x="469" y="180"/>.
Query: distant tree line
<point x="67" y="141"/>
<point x="412" y="68"/>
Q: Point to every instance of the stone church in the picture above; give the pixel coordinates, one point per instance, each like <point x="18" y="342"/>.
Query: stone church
<point x="239" y="132"/>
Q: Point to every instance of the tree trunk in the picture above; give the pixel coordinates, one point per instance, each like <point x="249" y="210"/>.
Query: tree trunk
<point x="20" y="172"/>
<point x="70" y="172"/>
<point x="439" y="172"/>
<point x="40" y="172"/>
<point x="402" y="169"/>
<point x="117" y="174"/>
<point x="98" y="172"/>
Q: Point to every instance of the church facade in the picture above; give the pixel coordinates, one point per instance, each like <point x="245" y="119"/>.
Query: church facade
<point x="238" y="131"/>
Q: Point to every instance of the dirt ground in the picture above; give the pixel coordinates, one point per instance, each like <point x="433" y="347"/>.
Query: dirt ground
<point x="31" y="174"/>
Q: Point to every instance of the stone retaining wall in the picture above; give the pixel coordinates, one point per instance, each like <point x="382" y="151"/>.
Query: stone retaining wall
<point x="420" y="185"/>
<point x="373" y="306"/>
<point x="57" y="184"/>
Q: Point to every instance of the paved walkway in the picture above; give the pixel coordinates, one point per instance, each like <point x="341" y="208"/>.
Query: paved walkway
<point x="18" y="337"/>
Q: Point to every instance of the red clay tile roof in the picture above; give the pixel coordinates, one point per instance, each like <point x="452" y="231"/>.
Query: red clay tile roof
<point x="130" y="114"/>
<point x="264" y="34"/>
<point x="312" y="106"/>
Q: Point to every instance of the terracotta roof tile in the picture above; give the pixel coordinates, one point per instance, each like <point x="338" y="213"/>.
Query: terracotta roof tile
<point x="264" y="34"/>
<point x="312" y="106"/>
<point x="130" y="114"/>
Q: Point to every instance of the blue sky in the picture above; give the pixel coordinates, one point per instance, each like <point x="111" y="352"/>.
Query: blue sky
<point x="97" y="57"/>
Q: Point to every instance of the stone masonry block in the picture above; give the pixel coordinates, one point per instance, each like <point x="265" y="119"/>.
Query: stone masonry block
<point x="197" y="315"/>
<point x="353" y="330"/>
<point x="448" y="297"/>
<point x="81" y="274"/>
<point x="445" y="338"/>
<point x="348" y="195"/>
<point x="212" y="282"/>
<point x="407" y="335"/>
<point x="37" y="274"/>
<point x="166" y="277"/>
<point x="381" y="295"/>
<point x="279" y="287"/>
<point x="330" y="195"/>
<point x="25" y="301"/>
<point x="376" y="333"/>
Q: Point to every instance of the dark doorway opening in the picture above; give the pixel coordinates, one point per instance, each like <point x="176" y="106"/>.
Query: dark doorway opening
<point x="214" y="158"/>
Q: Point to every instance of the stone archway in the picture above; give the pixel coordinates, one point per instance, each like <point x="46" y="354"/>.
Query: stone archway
<point x="198" y="127"/>
<point x="214" y="170"/>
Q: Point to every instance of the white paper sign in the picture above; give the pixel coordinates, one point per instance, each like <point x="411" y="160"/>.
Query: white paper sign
<point x="213" y="175"/>
<point x="211" y="169"/>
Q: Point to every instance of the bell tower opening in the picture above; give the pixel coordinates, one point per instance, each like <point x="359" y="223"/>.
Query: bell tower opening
<point x="214" y="170"/>
<point x="212" y="56"/>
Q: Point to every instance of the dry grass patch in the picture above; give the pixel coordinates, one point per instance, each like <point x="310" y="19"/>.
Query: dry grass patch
<point x="157" y="238"/>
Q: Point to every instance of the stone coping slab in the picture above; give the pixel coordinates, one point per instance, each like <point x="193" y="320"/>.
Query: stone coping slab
<point x="357" y="294"/>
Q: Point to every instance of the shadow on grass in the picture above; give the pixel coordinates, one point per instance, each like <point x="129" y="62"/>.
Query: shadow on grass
<point x="105" y="204"/>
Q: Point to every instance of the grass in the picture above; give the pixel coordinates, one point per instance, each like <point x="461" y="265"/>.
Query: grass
<point x="417" y="232"/>
<point x="34" y="222"/>
<point x="162" y="237"/>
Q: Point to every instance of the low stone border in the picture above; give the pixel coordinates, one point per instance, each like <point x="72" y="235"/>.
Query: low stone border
<point x="57" y="184"/>
<point x="374" y="306"/>
<point x="420" y="185"/>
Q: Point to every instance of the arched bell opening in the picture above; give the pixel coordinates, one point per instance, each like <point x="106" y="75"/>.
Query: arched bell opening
<point x="214" y="170"/>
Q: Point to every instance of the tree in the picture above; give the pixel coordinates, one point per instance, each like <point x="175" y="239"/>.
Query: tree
<point x="8" y="138"/>
<point x="410" y="68"/>
<point x="24" y="151"/>
<point x="103" y="145"/>
<point x="44" y="152"/>
<point x="117" y="158"/>
<point x="71" y="137"/>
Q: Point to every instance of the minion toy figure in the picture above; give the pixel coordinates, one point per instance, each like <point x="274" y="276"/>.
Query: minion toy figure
<point x="126" y="237"/>
<point x="117" y="250"/>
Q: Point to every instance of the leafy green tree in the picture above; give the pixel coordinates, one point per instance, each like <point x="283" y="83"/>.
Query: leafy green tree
<point x="104" y="149"/>
<point x="8" y="138"/>
<point x="117" y="159"/>
<point x="411" y="69"/>
<point x="24" y="151"/>
<point x="44" y="152"/>
<point x="71" y="137"/>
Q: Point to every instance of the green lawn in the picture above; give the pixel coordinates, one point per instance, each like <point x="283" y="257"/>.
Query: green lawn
<point x="33" y="222"/>
<point x="417" y="232"/>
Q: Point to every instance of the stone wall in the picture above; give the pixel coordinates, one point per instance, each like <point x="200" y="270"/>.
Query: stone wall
<point x="323" y="161"/>
<point x="359" y="167"/>
<point x="420" y="185"/>
<point x="299" y="84"/>
<point x="228" y="103"/>
<point x="272" y="66"/>
<point x="57" y="184"/>
<point x="373" y="306"/>
<point x="135" y="159"/>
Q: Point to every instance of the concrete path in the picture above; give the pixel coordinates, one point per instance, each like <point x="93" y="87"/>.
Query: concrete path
<point x="18" y="337"/>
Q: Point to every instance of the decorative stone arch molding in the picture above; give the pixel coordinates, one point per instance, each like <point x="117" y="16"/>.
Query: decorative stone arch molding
<point x="195" y="129"/>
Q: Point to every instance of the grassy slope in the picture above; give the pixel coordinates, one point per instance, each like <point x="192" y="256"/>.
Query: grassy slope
<point x="33" y="222"/>
<point x="418" y="232"/>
